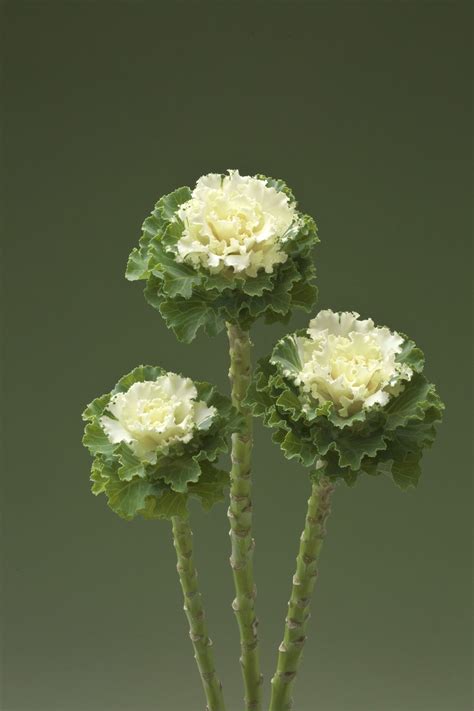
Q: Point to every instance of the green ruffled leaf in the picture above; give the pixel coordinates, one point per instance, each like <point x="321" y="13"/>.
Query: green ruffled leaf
<point x="97" y="441"/>
<point x="280" y="301"/>
<point x="138" y="375"/>
<point x="412" y="356"/>
<point x="412" y="403"/>
<point x="170" y="203"/>
<point x="130" y="465"/>
<point x="345" y="422"/>
<point x="184" y="317"/>
<point x="170" y="504"/>
<point x="210" y="489"/>
<point x="137" y="265"/>
<point x="354" y="447"/>
<point x="295" y="448"/>
<point x="178" y="473"/>
<point x="288" y="401"/>
<point x="179" y="279"/>
<point x="376" y="467"/>
<point x="128" y="498"/>
<point x="279" y="185"/>
<point x="96" y="408"/>
<point x="286" y="356"/>
<point x="101" y="474"/>
<point x="153" y="225"/>
<point x="258" y="400"/>
<point x="219" y="282"/>
<point x="407" y="472"/>
<point x="304" y="296"/>
<point x="255" y="286"/>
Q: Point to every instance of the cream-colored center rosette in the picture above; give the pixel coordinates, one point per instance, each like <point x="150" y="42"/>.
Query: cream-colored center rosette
<point x="236" y="223"/>
<point x="154" y="415"/>
<point x="349" y="362"/>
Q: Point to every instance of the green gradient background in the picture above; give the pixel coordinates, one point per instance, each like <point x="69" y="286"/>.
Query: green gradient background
<point x="364" y="108"/>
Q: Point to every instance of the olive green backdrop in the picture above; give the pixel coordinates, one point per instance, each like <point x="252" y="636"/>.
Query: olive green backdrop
<point x="364" y="109"/>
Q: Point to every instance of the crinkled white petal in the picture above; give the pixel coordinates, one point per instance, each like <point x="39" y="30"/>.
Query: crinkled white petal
<point x="155" y="414"/>
<point x="350" y="362"/>
<point x="339" y="324"/>
<point x="114" y="430"/>
<point x="234" y="222"/>
<point x="204" y="414"/>
<point x="381" y="397"/>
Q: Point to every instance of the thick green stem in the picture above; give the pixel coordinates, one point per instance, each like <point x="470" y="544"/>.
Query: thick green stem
<point x="240" y="517"/>
<point x="195" y="613"/>
<point x="291" y="649"/>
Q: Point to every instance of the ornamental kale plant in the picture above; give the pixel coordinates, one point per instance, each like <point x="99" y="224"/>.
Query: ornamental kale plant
<point x="155" y="439"/>
<point x="344" y="398"/>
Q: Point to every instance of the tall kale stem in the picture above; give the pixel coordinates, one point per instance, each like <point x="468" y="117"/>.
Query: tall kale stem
<point x="240" y="518"/>
<point x="291" y="649"/>
<point x="194" y="610"/>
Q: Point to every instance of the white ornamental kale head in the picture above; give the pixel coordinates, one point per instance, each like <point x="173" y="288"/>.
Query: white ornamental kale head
<point x="235" y="223"/>
<point x="155" y="414"/>
<point x="350" y="362"/>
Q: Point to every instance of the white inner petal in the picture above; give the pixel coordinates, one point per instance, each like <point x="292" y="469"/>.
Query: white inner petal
<point x="350" y="362"/>
<point x="153" y="415"/>
<point x="234" y="222"/>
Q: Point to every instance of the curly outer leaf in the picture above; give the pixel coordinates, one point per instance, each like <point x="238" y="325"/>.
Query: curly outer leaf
<point x="179" y="279"/>
<point x="286" y="356"/>
<point x="101" y="473"/>
<point x="288" y="401"/>
<point x="169" y="504"/>
<point x="180" y="472"/>
<point x="171" y="202"/>
<point x="127" y="498"/>
<point x="210" y="489"/>
<point x="137" y="265"/>
<point x="412" y="356"/>
<point x="185" y="317"/>
<point x="279" y="185"/>
<point x="406" y="472"/>
<point x="138" y="375"/>
<point x="296" y="448"/>
<point x="96" y="440"/>
<point x="412" y="403"/>
<point x="352" y="448"/>
<point x="96" y="407"/>
<point x="130" y="466"/>
<point x="303" y="296"/>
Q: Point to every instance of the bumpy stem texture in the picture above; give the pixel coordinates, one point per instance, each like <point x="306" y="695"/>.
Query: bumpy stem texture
<point x="240" y="517"/>
<point x="291" y="649"/>
<point x="193" y="608"/>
